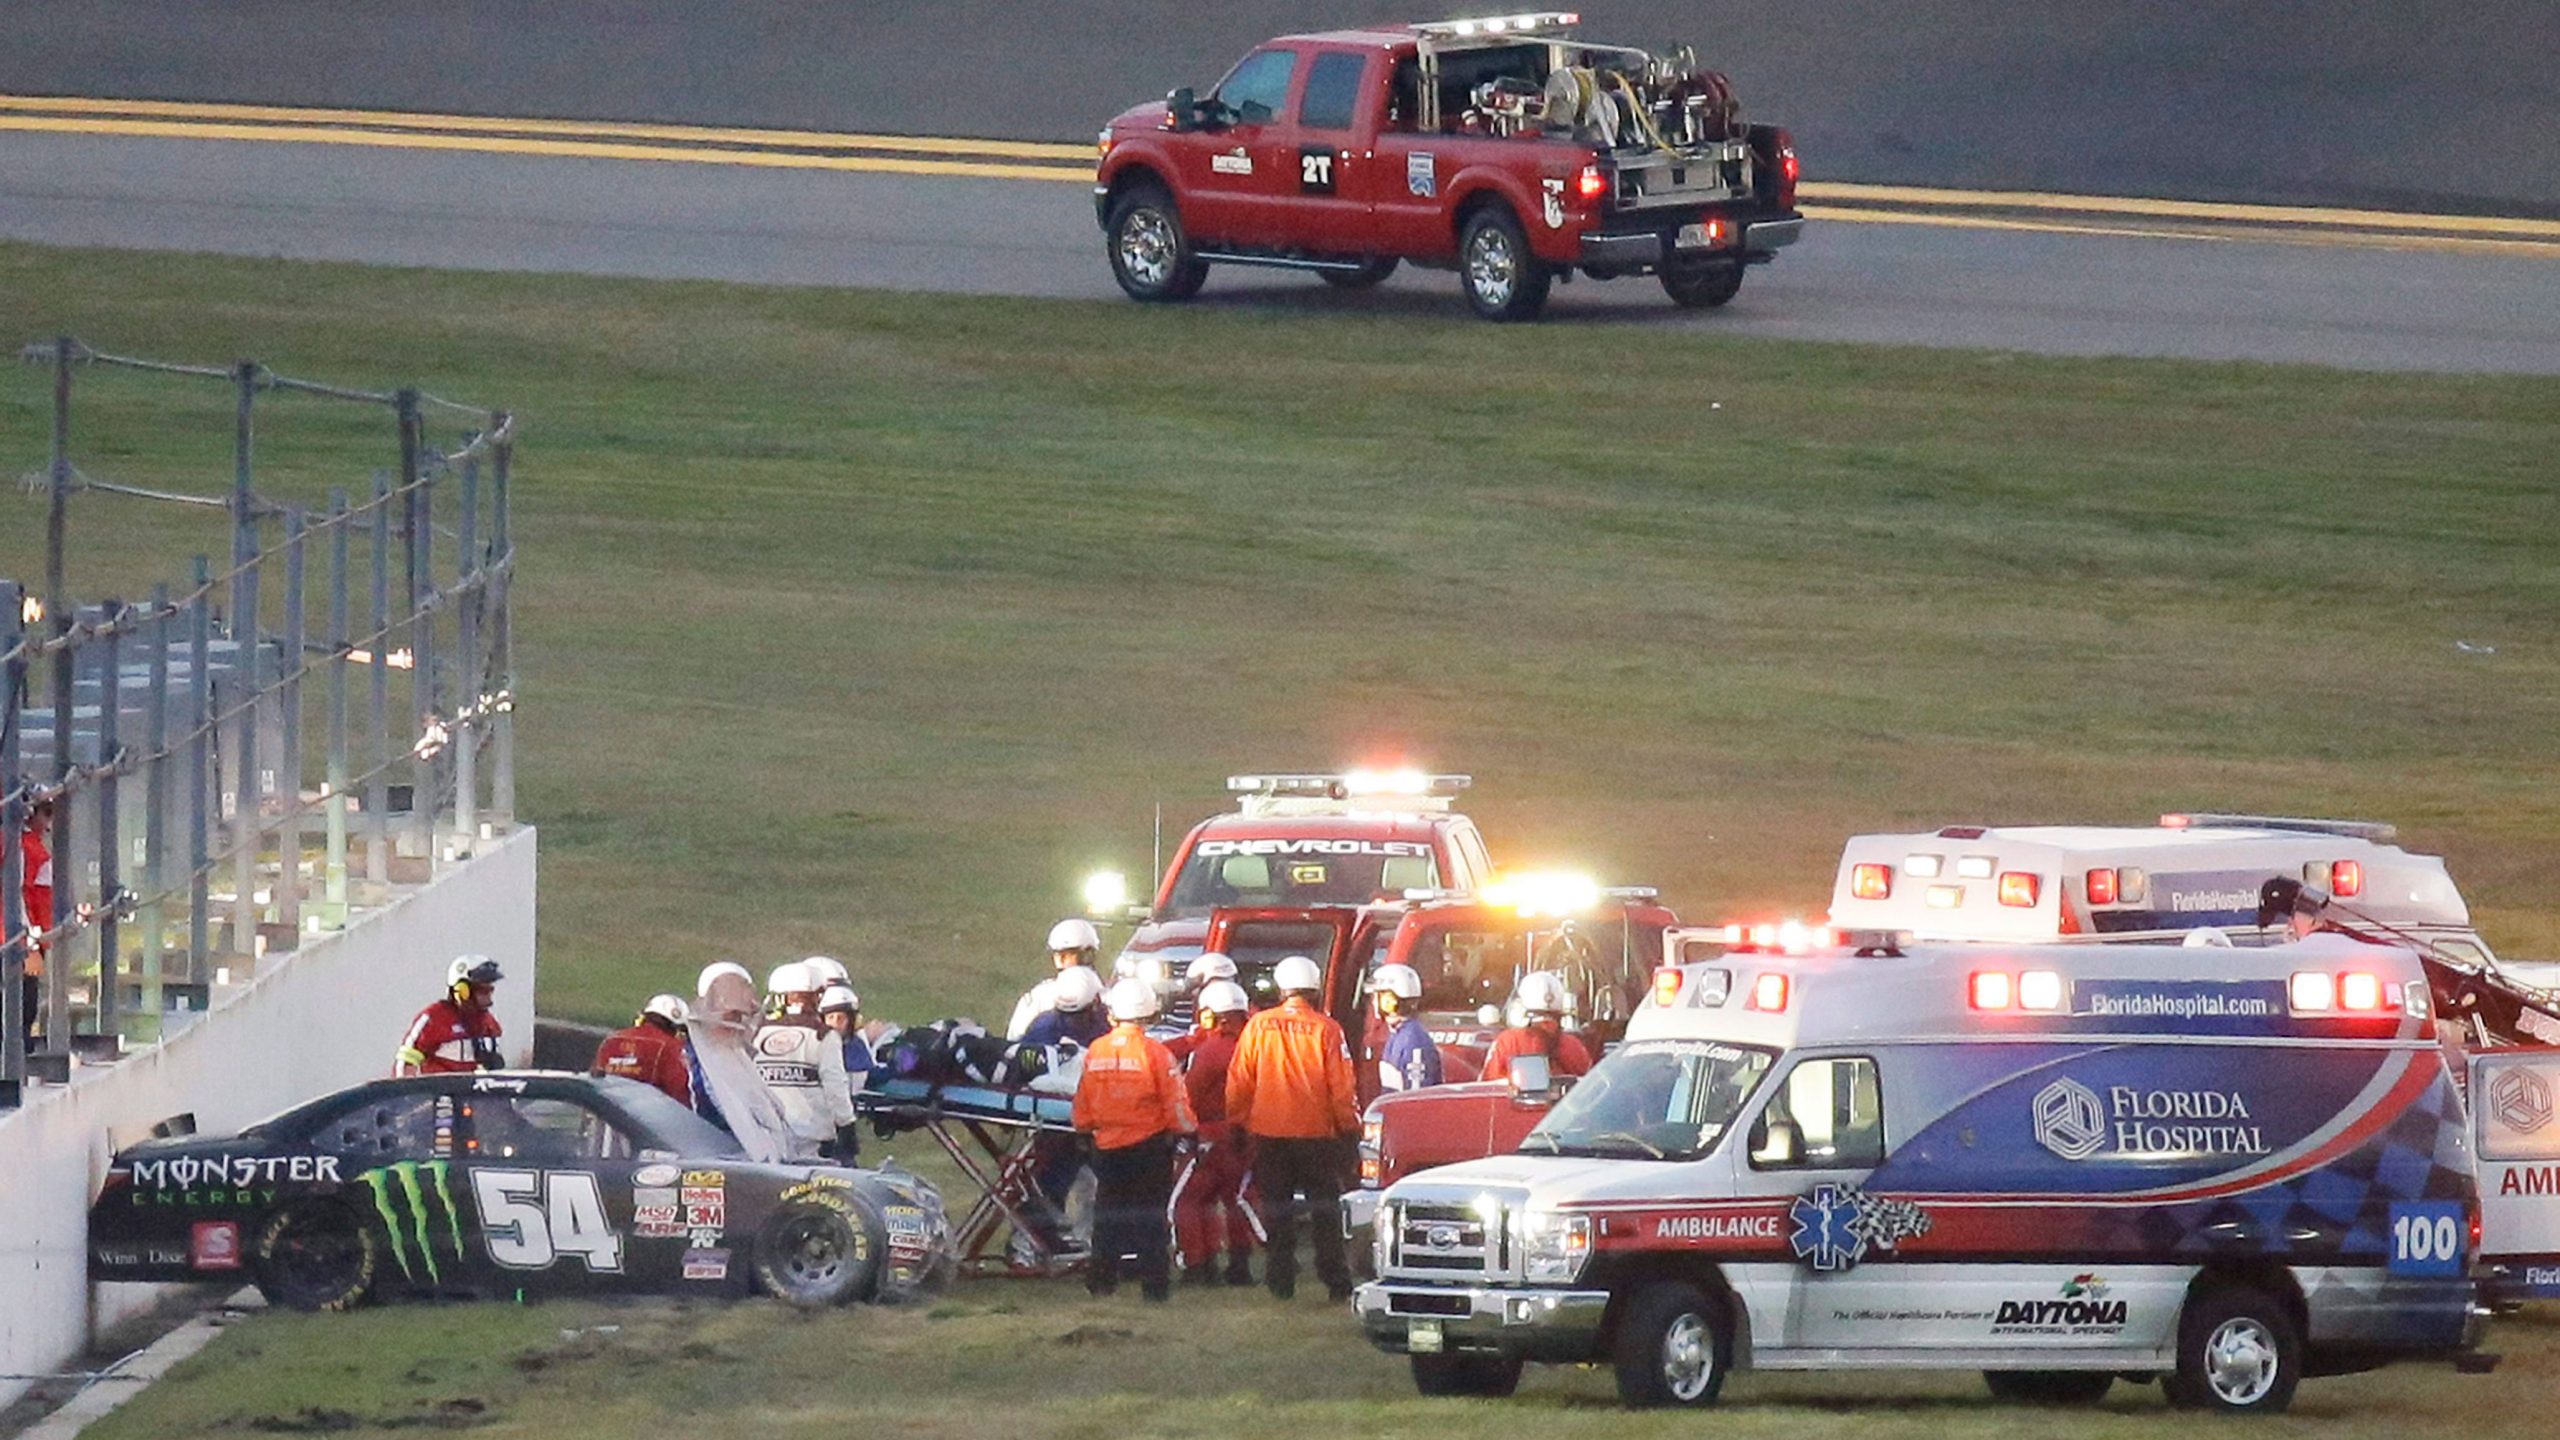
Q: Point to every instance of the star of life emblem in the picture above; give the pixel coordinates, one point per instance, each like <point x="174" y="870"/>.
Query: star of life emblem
<point x="1836" y="1225"/>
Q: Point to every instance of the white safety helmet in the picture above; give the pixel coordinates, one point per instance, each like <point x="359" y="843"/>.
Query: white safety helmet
<point x="2205" y="937"/>
<point x="1297" y="973"/>
<point x="1541" y="993"/>
<point x="670" y="1008"/>
<point x="1074" y="935"/>
<point x="1078" y="987"/>
<point x="1133" y="1000"/>
<point x="1124" y="966"/>
<point x="1210" y="966"/>
<point x="1224" y="997"/>
<point x="791" y="979"/>
<point x="472" y="970"/>
<point x="1401" y="981"/>
<point x="838" y="996"/>
<point x="716" y="969"/>
<point x="827" y="971"/>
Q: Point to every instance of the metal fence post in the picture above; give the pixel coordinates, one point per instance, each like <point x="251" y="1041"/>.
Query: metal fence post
<point x="473" y="682"/>
<point x="200" y="776"/>
<point x="110" y="903"/>
<point x="377" y="800"/>
<point x="333" y="868"/>
<point x="155" y="826"/>
<point x="422" y="628"/>
<point x="246" y="792"/>
<point x="288" y="890"/>
<point x="13" y="814"/>
<point x="57" y="601"/>
<point x="502" y="634"/>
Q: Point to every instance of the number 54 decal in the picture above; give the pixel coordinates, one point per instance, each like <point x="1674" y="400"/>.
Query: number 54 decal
<point x="532" y="1217"/>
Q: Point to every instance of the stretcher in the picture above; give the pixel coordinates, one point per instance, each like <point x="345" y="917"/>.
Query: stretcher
<point x="1000" y="1138"/>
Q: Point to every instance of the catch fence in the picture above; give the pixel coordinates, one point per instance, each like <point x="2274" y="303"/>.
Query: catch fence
<point x="228" y="771"/>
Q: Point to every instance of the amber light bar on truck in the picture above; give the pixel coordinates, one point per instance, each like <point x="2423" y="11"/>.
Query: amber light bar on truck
<point x="1522" y="24"/>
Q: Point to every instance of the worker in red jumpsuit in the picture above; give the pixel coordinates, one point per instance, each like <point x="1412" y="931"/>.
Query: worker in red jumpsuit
<point x="1209" y="1201"/>
<point x="36" y="893"/>
<point x="458" y="1033"/>
<point x="1542" y="1003"/>
<point x="651" y="1049"/>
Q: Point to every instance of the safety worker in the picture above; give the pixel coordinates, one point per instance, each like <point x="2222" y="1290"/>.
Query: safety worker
<point x="1209" y="1189"/>
<point x="1410" y="1059"/>
<point x="1205" y="969"/>
<point x="840" y="1010"/>
<point x="35" y="894"/>
<point x="1074" y="1020"/>
<point x="2300" y="907"/>
<point x="651" y="1049"/>
<point x="1075" y="1015"/>
<point x="803" y="1063"/>
<point x="1131" y="1103"/>
<point x="458" y="1033"/>
<point x="1290" y="1088"/>
<point x="1072" y="943"/>
<point x="1543" y="1003"/>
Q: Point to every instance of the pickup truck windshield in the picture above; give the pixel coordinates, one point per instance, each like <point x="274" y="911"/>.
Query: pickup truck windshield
<point x="1652" y="1099"/>
<point x="1304" y="875"/>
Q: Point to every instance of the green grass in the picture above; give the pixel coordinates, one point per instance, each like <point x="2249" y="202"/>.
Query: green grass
<point x="866" y="623"/>
<point x="1019" y="1358"/>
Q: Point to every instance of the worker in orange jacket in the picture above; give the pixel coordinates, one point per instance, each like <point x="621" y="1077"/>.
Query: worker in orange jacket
<point x="1130" y="1101"/>
<point x="1542" y="1001"/>
<point x="1290" y="1088"/>
<point x="651" y="1049"/>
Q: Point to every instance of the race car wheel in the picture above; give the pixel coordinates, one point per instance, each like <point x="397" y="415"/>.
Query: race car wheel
<point x="1487" y="1375"/>
<point x="2238" y="1352"/>
<point x="1693" y="286"/>
<point x="1675" y="1344"/>
<point x="1370" y="274"/>
<point x="1503" y="279"/>
<point x="2049" y="1387"/>
<point x="814" y="1255"/>
<point x="315" y="1255"/>
<point x="1151" y="256"/>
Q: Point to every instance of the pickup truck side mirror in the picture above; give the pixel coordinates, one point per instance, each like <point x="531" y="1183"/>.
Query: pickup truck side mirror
<point x="1181" y="109"/>
<point x="1531" y="1079"/>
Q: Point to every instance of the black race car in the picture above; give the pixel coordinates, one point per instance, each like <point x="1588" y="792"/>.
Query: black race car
<point x="514" y="1183"/>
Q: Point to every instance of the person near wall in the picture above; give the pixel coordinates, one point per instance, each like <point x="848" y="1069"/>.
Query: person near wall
<point x="651" y="1049"/>
<point x="459" y="1032"/>
<point x="36" y="892"/>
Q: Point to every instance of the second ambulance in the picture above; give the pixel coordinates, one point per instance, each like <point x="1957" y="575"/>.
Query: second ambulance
<point x="2226" y="1170"/>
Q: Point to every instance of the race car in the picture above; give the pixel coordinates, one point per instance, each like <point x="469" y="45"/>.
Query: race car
<point x="507" y="1184"/>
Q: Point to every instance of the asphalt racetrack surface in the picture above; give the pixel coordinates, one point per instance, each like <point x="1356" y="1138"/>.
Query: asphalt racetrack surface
<point x="2309" y="297"/>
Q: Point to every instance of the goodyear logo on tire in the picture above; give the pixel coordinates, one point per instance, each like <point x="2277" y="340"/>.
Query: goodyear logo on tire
<point x="411" y="1198"/>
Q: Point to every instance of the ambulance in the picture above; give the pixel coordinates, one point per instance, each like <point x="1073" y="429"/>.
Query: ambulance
<point x="2226" y="1170"/>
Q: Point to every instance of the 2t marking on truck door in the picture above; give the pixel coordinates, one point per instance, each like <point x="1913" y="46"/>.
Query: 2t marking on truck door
<point x="1315" y="170"/>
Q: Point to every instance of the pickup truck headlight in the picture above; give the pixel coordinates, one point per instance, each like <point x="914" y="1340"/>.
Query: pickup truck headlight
<point x="1554" y="1247"/>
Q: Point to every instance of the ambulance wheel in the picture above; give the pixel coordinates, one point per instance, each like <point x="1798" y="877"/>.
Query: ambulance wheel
<point x="1371" y="273"/>
<point x="1502" y="277"/>
<point x="2238" y="1352"/>
<point x="2049" y="1387"/>
<point x="815" y="1254"/>
<point x="1486" y="1375"/>
<point x="1675" y="1344"/>
<point x="1692" y="286"/>
<point x="315" y="1255"/>
<point x="1151" y="256"/>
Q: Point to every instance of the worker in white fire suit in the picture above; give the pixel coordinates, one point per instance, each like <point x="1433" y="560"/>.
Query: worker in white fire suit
<point x="803" y="1064"/>
<point x="1072" y="942"/>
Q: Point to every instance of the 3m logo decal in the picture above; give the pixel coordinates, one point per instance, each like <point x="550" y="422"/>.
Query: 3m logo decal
<point x="2069" y="1120"/>
<point x="400" y="1196"/>
<point x="2520" y="1100"/>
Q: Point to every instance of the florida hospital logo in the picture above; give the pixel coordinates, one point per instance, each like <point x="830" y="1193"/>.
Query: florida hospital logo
<point x="2069" y="1120"/>
<point x="1836" y="1225"/>
<point x="2521" y="1101"/>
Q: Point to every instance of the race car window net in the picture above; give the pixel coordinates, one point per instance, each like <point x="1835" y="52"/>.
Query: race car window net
<point x="1210" y="882"/>
<point x="1652" y="1099"/>
<point x="393" y="1128"/>
<point x="1828" y="1114"/>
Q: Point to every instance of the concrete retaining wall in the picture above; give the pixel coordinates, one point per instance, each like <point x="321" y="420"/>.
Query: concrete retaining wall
<point x="314" y="1021"/>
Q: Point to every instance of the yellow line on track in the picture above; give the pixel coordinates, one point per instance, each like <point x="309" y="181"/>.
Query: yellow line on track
<point x="2179" y="209"/>
<point x="2449" y="244"/>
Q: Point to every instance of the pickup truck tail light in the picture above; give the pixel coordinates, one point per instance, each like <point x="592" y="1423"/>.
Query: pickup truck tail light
<point x="1781" y="157"/>
<point x="1592" y="183"/>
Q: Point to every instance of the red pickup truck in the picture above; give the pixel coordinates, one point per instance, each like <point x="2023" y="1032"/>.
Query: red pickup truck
<point x="1502" y="147"/>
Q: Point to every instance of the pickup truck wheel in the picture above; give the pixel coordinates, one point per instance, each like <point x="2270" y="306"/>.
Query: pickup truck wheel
<point x="1487" y="1375"/>
<point x="1370" y="274"/>
<point x="1675" y="1344"/>
<point x="2238" y="1352"/>
<point x="1151" y="257"/>
<point x="1693" y="286"/>
<point x="1503" y="279"/>
<point x="2049" y="1387"/>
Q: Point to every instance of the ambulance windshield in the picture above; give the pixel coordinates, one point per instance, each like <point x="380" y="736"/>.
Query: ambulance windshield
<point x="1652" y="1099"/>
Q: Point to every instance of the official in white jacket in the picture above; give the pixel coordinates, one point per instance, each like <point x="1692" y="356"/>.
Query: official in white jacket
<point x="1071" y="943"/>
<point x="803" y="1064"/>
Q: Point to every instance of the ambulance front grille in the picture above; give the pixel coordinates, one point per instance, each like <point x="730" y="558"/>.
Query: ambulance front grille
<point x="1441" y="1240"/>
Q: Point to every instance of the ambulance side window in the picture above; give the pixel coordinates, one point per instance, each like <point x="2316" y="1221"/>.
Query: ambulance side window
<point x="1827" y="1114"/>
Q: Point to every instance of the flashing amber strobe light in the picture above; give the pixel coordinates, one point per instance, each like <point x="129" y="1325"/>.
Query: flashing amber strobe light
<point x="1666" y="985"/>
<point x="1871" y="882"/>
<point x="1769" y="992"/>
<point x="2018" y="889"/>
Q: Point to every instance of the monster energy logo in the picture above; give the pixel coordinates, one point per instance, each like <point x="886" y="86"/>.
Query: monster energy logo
<point x="397" y="1187"/>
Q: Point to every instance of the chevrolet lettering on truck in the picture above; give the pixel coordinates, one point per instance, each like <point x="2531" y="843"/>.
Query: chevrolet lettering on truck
<point x="1879" y="1155"/>
<point x="1504" y="148"/>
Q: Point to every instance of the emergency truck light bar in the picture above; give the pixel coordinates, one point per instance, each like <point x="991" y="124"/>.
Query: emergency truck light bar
<point x="1501" y="24"/>
<point x="1410" y="783"/>
<point x="2040" y="990"/>
<point x="2373" y="830"/>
